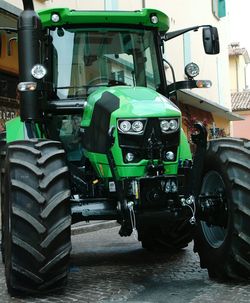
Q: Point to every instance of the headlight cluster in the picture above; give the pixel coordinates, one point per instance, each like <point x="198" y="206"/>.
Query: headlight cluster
<point x="169" y="125"/>
<point x="132" y="126"/>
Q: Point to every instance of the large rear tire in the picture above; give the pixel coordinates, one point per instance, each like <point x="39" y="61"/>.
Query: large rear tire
<point x="36" y="217"/>
<point x="224" y="248"/>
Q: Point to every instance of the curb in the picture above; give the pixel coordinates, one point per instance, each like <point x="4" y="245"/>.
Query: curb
<point x="86" y="227"/>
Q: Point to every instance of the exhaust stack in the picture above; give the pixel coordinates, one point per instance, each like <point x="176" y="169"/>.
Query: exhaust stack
<point x="28" y="5"/>
<point x="29" y="36"/>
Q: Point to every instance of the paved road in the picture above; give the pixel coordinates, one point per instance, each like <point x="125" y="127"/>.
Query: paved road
<point x="107" y="268"/>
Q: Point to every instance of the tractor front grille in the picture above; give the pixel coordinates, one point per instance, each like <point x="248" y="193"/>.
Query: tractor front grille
<point x="139" y="145"/>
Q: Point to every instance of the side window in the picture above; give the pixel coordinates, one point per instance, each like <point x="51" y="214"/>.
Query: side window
<point x="187" y="48"/>
<point x="149" y="69"/>
<point x="219" y="8"/>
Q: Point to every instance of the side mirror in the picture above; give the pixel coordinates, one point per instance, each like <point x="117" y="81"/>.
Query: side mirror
<point x="211" y="40"/>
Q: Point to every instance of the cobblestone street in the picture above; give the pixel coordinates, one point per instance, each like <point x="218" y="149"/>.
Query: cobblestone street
<point x="107" y="268"/>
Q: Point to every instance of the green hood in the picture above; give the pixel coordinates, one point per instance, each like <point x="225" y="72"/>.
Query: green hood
<point x="134" y="102"/>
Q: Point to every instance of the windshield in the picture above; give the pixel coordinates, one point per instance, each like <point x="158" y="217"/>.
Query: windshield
<point x="84" y="59"/>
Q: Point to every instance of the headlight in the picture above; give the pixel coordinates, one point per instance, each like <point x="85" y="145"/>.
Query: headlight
<point x="55" y="17"/>
<point x="137" y="126"/>
<point x="38" y="71"/>
<point x="125" y="126"/>
<point x="132" y="126"/>
<point x="154" y="19"/>
<point x="130" y="157"/>
<point x="192" y="70"/>
<point x="169" y="125"/>
<point x="164" y="125"/>
<point x="173" y="125"/>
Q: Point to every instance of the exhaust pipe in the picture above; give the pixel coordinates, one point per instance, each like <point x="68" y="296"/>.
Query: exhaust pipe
<point x="28" y="5"/>
<point x="29" y="36"/>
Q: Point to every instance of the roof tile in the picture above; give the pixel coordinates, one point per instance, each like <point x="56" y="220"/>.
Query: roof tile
<point x="240" y="100"/>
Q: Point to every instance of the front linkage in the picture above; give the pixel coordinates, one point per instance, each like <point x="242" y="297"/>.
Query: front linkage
<point x="146" y="200"/>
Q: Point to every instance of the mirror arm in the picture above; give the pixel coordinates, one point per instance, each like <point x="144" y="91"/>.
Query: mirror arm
<point x="171" y="35"/>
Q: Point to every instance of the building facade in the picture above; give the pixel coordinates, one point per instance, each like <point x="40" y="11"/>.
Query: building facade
<point x="213" y="105"/>
<point x="9" y="105"/>
<point x="240" y="93"/>
<point x="241" y="106"/>
<point x="238" y="61"/>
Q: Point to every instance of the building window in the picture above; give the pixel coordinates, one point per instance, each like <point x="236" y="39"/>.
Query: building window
<point x="219" y="8"/>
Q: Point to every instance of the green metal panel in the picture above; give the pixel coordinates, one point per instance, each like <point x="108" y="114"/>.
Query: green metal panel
<point x="15" y="130"/>
<point x="100" y="163"/>
<point x="184" y="149"/>
<point x="134" y="103"/>
<point x="136" y="18"/>
<point x="139" y="102"/>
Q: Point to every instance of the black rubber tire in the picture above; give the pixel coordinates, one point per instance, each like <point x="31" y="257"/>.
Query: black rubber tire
<point x="224" y="251"/>
<point x="36" y="217"/>
<point x="2" y="160"/>
<point x="166" y="238"/>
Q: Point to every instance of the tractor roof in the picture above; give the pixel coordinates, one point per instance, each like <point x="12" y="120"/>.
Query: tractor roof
<point x="130" y="18"/>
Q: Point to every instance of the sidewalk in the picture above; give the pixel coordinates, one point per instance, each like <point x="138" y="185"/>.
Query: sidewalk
<point x="85" y="227"/>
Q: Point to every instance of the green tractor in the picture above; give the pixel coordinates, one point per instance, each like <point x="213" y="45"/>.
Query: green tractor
<point x="98" y="138"/>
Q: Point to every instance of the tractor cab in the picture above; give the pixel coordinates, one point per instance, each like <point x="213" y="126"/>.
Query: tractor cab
<point x="83" y="54"/>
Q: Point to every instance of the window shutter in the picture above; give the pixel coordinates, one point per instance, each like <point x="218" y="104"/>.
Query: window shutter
<point x="222" y="8"/>
<point x="219" y="8"/>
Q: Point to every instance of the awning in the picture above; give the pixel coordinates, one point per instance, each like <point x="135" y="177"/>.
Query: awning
<point x="10" y="8"/>
<point x="190" y="98"/>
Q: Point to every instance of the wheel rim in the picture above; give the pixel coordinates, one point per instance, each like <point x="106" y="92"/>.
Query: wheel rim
<point x="215" y="235"/>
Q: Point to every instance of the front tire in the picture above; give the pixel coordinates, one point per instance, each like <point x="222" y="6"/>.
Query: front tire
<point x="36" y="217"/>
<point x="224" y="248"/>
<point x="166" y="238"/>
